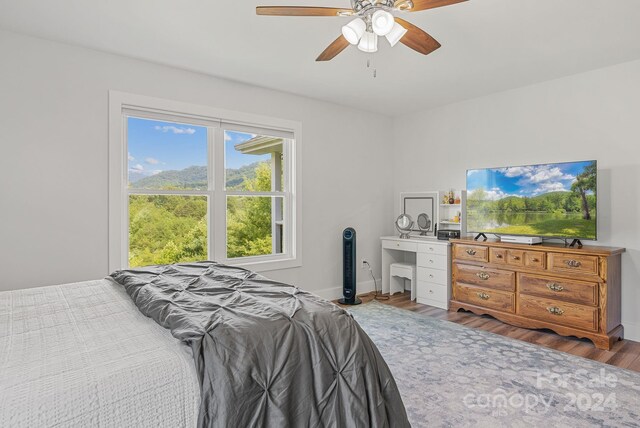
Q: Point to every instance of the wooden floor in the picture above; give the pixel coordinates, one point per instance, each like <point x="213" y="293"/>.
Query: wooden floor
<point x="625" y="353"/>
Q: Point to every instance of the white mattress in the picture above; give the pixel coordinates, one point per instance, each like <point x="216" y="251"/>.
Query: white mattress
<point x="83" y="355"/>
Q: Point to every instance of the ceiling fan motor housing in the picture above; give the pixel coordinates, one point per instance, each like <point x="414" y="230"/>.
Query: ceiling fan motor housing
<point x="362" y="7"/>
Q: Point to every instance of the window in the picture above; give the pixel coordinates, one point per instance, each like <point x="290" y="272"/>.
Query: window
<point x="255" y="197"/>
<point x="191" y="183"/>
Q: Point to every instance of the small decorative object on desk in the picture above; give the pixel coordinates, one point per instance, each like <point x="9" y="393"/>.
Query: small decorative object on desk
<point x="424" y="224"/>
<point x="404" y="224"/>
<point x="457" y="200"/>
<point x="451" y="198"/>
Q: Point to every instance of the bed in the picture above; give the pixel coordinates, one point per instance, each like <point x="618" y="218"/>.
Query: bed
<point x="107" y="353"/>
<point x="82" y="354"/>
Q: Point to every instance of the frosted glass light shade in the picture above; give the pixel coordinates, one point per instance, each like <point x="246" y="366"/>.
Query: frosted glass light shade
<point x="396" y="33"/>
<point x="354" y="30"/>
<point x="382" y="22"/>
<point x="368" y="42"/>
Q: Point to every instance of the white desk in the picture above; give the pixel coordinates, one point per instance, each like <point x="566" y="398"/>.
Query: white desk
<point x="432" y="259"/>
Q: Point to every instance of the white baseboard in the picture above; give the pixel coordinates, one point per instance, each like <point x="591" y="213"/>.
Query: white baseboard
<point x="631" y="331"/>
<point x="336" y="292"/>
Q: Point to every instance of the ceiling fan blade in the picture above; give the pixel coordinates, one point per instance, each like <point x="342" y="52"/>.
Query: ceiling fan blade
<point x="302" y="11"/>
<point x="333" y="49"/>
<point x="419" y="5"/>
<point x="417" y="39"/>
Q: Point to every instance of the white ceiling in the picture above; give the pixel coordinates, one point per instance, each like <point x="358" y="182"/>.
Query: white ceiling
<point x="487" y="45"/>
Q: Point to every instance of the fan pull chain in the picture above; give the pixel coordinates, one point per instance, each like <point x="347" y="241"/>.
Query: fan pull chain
<point x="369" y="65"/>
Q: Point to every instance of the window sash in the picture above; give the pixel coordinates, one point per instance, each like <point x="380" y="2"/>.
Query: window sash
<point x="217" y="193"/>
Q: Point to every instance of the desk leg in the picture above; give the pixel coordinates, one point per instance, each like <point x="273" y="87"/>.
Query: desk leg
<point x="387" y="259"/>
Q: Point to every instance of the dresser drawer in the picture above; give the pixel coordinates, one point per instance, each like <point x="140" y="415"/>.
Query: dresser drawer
<point x="428" y="290"/>
<point x="585" y="293"/>
<point x="486" y="298"/>
<point x="559" y="312"/>
<point x="523" y="258"/>
<point x="515" y="257"/>
<point x="577" y="263"/>
<point x="498" y="256"/>
<point x="433" y="249"/>
<point x="433" y="275"/>
<point x="399" y="245"/>
<point x="471" y="252"/>
<point x="433" y="261"/>
<point x="535" y="259"/>
<point x="489" y="278"/>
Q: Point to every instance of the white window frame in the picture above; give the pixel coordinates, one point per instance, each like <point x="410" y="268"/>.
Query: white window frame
<point x="123" y="105"/>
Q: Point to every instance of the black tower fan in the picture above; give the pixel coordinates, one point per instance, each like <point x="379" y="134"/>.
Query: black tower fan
<point x="349" y="268"/>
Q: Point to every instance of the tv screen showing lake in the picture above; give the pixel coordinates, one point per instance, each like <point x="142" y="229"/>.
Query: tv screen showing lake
<point x="552" y="200"/>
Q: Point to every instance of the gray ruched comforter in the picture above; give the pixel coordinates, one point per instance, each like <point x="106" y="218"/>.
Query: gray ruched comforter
<point x="268" y="354"/>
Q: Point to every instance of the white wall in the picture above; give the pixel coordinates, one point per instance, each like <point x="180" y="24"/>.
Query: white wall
<point x="594" y="115"/>
<point x="53" y="162"/>
<point x="54" y="172"/>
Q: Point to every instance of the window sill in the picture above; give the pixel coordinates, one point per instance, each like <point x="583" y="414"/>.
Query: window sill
<point x="266" y="265"/>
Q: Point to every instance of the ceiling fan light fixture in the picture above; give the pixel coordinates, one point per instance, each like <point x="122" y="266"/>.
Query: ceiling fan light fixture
<point x="354" y="30"/>
<point x="396" y="33"/>
<point x="382" y="22"/>
<point x="368" y="43"/>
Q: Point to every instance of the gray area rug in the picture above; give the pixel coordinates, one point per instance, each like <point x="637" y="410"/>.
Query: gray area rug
<point x="452" y="375"/>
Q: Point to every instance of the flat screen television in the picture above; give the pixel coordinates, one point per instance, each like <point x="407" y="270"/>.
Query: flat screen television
<point x="556" y="200"/>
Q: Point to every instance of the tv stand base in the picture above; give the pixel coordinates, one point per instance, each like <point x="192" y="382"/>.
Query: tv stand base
<point x="479" y="235"/>
<point x="576" y="243"/>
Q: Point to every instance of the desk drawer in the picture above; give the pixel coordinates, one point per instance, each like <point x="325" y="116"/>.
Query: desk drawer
<point x="431" y="291"/>
<point x="433" y="275"/>
<point x="433" y="249"/>
<point x="399" y="245"/>
<point x="432" y="261"/>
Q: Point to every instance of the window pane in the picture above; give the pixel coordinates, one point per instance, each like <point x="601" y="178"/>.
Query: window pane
<point x="253" y="162"/>
<point x="166" y="155"/>
<point x="167" y="229"/>
<point x="254" y="226"/>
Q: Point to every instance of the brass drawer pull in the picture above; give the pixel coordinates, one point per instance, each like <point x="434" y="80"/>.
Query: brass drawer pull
<point x="483" y="275"/>
<point x="498" y="256"/>
<point x="471" y="252"/>
<point x="535" y="260"/>
<point x="554" y="310"/>
<point x="516" y="258"/>
<point x="573" y="263"/>
<point x="555" y="287"/>
<point x="483" y="296"/>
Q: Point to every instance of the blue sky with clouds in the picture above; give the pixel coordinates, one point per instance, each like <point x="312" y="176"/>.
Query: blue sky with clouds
<point x="531" y="180"/>
<point x="234" y="159"/>
<point x="156" y="146"/>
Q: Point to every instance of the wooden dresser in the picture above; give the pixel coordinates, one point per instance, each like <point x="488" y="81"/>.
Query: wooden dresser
<point x="572" y="291"/>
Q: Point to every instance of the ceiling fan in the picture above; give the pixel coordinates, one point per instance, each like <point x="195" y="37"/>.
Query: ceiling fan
<point x="373" y="18"/>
